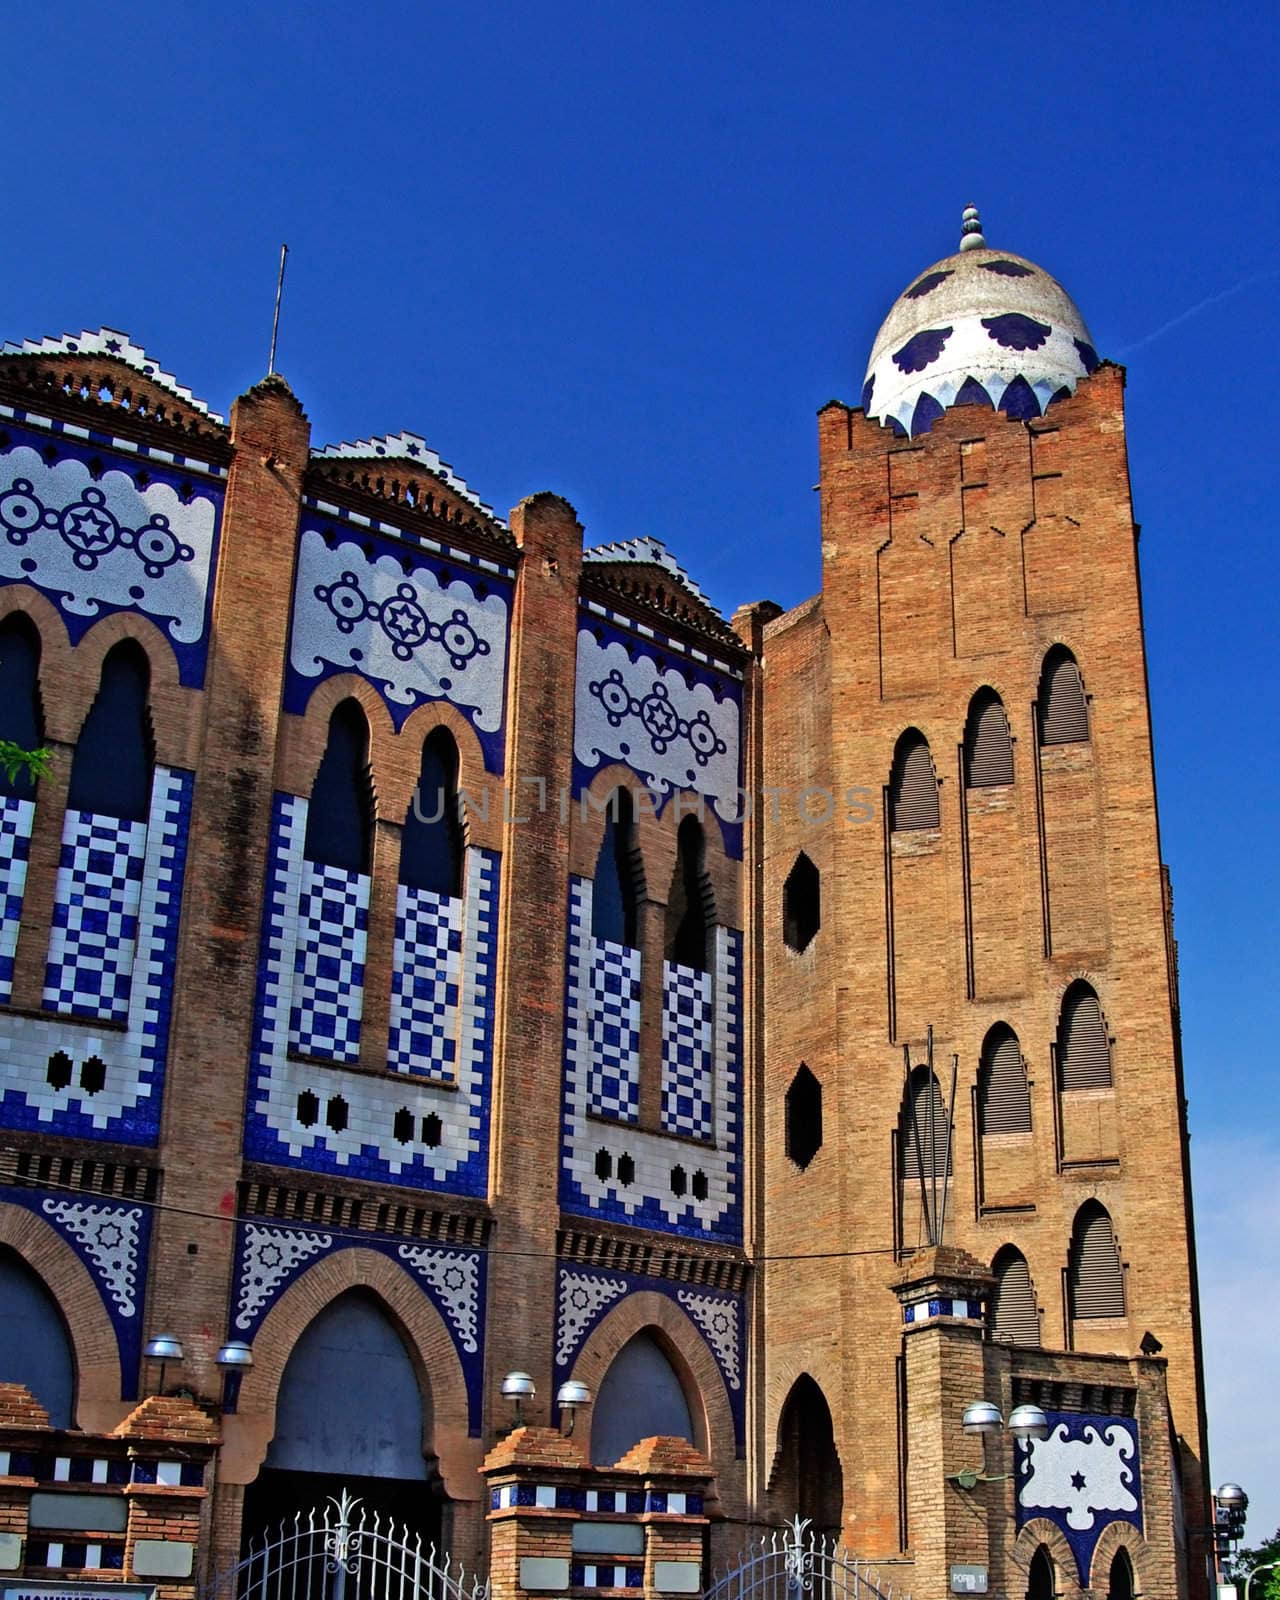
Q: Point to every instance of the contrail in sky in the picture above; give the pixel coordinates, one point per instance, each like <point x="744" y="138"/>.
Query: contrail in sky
<point x="1192" y="311"/>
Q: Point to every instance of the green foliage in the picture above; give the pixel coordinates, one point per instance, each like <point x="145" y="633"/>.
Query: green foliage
<point x="1266" y="1586"/>
<point x="14" y="760"/>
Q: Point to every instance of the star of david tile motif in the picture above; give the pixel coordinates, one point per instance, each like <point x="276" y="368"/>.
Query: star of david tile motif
<point x="112" y="951"/>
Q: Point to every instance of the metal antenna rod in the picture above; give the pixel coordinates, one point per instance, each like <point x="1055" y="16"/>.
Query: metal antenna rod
<point x="275" y="324"/>
<point x="951" y="1128"/>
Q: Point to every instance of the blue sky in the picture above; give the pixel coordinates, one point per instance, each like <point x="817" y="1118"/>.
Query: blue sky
<point x="625" y="252"/>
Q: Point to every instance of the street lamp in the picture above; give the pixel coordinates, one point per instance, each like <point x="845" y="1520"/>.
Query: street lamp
<point x="571" y="1397"/>
<point x="518" y="1387"/>
<point x="164" y="1347"/>
<point x="1230" y="1503"/>
<point x="984" y="1418"/>
<point x="234" y="1358"/>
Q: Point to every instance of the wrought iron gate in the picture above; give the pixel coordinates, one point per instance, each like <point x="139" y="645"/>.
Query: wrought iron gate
<point x="796" y="1562"/>
<point x="343" y="1552"/>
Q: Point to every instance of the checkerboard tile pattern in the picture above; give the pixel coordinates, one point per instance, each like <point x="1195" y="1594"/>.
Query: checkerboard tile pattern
<point x="16" y="817"/>
<point x="687" y="1012"/>
<point x="425" y="984"/>
<point x="95" y="916"/>
<point x="328" y="963"/>
<point x="613" y="1029"/>
<point x="118" y="1097"/>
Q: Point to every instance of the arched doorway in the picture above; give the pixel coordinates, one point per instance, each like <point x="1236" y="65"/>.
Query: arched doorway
<point x="640" y="1395"/>
<point x="35" y="1348"/>
<point x="350" y="1415"/>
<point x="1040" y="1578"/>
<point x="807" y="1477"/>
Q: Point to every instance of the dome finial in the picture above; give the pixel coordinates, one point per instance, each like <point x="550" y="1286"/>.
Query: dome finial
<point x="971" y="230"/>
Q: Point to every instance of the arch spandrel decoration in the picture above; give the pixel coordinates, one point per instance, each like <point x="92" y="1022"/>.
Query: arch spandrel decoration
<point x="1086" y="1475"/>
<point x="101" y="530"/>
<point x="597" y="1312"/>
<point x="269" y="1261"/>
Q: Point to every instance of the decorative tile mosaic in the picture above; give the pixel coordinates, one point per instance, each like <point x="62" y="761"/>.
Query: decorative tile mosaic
<point x="411" y="448"/>
<point x="110" y="342"/>
<point x="630" y="1174"/>
<point x="687" y="1015"/>
<point x="674" y="723"/>
<point x="584" y="1298"/>
<point x="100" y="533"/>
<point x="327" y="997"/>
<point x="16" y="817"/>
<point x="418" y="627"/>
<point x="96" y="1082"/>
<point x="613" y="1032"/>
<point x="426" y="982"/>
<point x="402" y="1127"/>
<point x="929" y="1310"/>
<point x="269" y="1260"/>
<point x="95" y="916"/>
<point x="1086" y="1474"/>
<point x="112" y="1240"/>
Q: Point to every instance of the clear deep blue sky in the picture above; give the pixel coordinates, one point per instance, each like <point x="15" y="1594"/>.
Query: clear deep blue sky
<point x="625" y="252"/>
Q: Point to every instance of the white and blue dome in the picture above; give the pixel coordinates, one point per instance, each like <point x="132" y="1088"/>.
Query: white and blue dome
<point x="981" y="327"/>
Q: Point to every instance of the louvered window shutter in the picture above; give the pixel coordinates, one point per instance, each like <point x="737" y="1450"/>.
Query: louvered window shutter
<point x="929" y="1126"/>
<point x="988" y="751"/>
<point x="1004" y="1102"/>
<point x="1013" y="1307"/>
<point x="913" y="792"/>
<point x="1063" y="716"/>
<point x="1084" y="1058"/>
<point x="1097" y="1281"/>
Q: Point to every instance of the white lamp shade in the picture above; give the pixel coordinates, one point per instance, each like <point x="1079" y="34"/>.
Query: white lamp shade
<point x="236" y="1354"/>
<point x="164" y="1347"/>
<point x="572" y="1394"/>
<point x="518" y="1386"/>
<point x="982" y="1417"/>
<point x="1028" y="1422"/>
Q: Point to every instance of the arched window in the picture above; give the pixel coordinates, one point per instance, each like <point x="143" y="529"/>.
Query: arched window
<point x="801" y="904"/>
<point x="1120" y="1584"/>
<point x="340" y="815"/>
<point x="988" y="751"/>
<point x="21" y="716"/>
<point x="640" y="1395"/>
<point x="349" y="1399"/>
<point x="115" y="753"/>
<point x="35" y="1349"/>
<point x="1004" y="1101"/>
<point x="807" y="1478"/>
<point x="615" y="890"/>
<point x="1041" y="1584"/>
<point x="1064" y="717"/>
<point x="691" y="907"/>
<point x="431" y="844"/>
<point x="1084" y="1055"/>
<point x="804" y="1117"/>
<point x="1013" y="1302"/>
<point x="1094" y="1274"/>
<point x="913" y="788"/>
<point x="925" y="1132"/>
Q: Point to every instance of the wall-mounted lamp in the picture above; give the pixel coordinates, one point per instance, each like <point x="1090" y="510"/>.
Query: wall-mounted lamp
<point x="571" y="1397"/>
<point x="518" y="1386"/>
<point x="984" y="1418"/>
<point x="1230" y="1503"/>
<point x="164" y="1347"/>
<point x="234" y="1358"/>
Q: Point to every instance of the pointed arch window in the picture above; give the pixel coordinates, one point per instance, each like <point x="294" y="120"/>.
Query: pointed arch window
<point x="1013" y="1302"/>
<point x="640" y="1395"/>
<point x="340" y="815"/>
<point x="1041" y="1581"/>
<point x="1084" y="1054"/>
<point x="691" y="906"/>
<point x="35" y="1348"/>
<point x="1120" y="1581"/>
<point x="988" y="750"/>
<point x="913" y="787"/>
<point x="431" y="845"/>
<point x="618" y="883"/>
<point x="1004" y="1101"/>
<point x="114" y="762"/>
<point x="1064" y="716"/>
<point x="926" y="1133"/>
<point x="1095" y="1276"/>
<point x="21" y="714"/>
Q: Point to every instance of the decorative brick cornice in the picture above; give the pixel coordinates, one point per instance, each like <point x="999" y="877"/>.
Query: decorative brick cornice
<point x="19" y="1408"/>
<point x="544" y="1448"/>
<point x="168" y="1417"/>
<point x="665" y="1457"/>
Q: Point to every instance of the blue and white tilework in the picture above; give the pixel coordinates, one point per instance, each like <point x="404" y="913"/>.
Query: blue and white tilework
<point x="426" y="983"/>
<point x="601" y="1575"/>
<point x="414" y="451"/>
<point x="99" y="533"/>
<point x="95" y="916"/>
<point x="270" y="1259"/>
<point x="86" y="1080"/>
<point x="584" y="1296"/>
<point x="920" y="1311"/>
<point x="418" y="627"/>
<point x="16" y="817"/>
<point x="328" y="963"/>
<point x="617" y="1170"/>
<point x="687" y="1017"/>
<point x="674" y="722"/>
<point x="613" y="1029"/>
<point x="399" y="1128"/>
<point x="611" y="1502"/>
<point x="112" y="1240"/>
<point x="1084" y="1475"/>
